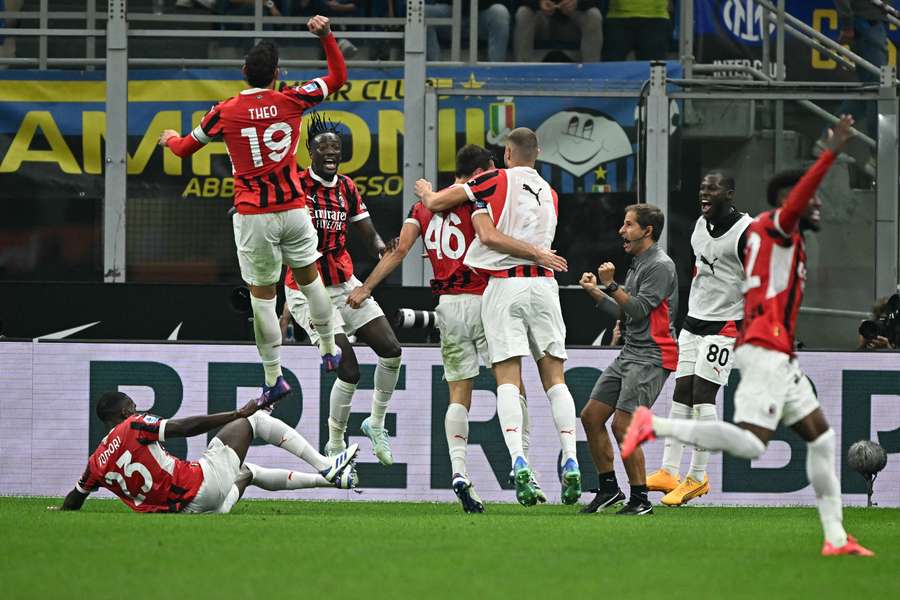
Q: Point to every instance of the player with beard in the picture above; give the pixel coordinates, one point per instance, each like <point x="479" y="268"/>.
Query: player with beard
<point x="773" y="389"/>
<point x="706" y="342"/>
<point x="335" y="205"/>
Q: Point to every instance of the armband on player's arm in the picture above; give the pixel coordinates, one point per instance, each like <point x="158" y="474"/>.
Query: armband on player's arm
<point x="788" y="216"/>
<point x="183" y="146"/>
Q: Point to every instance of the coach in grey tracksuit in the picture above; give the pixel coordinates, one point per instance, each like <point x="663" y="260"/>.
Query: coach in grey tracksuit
<point x="645" y="304"/>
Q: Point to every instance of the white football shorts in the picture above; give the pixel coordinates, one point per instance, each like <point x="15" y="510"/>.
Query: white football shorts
<point x="773" y="389"/>
<point x="458" y="317"/>
<point x="346" y="319"/>
<point x="708" y="356"/>
<point x="521" y="316"/>
<point x="266" y="241"/>
<point x="217" y="494"/>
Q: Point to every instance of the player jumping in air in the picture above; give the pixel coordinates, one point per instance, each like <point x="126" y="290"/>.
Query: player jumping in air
<point x="131" y="462"/>
<point x="773" y="389"/>
<point x="520" y="306"/>
<point x="336" y="205"/>
<point x="261" y="128"/>
<point x="448" y="236"/>
<point x="644" y="304"/>
<point x="706" y="342"/>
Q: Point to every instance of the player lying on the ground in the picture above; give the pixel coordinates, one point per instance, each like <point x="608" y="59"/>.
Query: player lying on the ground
<point x="706" y="342"/>
<point x="131" y="462"/>
<point x="261" y="128"/>
<point x="520" y="306"/>
<point x="447" y="236"/>
<point x="336" y="208"/>
<point x="645" y="304"/>
<point x="773" y="389"/>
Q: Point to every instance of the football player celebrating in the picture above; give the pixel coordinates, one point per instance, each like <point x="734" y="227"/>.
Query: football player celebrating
<point x="336" y="205"/>
<point x="261" y="128"/>
<point x="131" y="462"/>
<point x="773" y="389"/>
<point x="706" y="342"/>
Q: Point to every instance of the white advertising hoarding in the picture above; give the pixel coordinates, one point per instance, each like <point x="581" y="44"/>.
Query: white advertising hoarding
<point x="47" y="427"/>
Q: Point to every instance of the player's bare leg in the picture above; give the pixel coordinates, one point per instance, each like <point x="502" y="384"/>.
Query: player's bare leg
<point x="594" y="417"/>
<point x="562" y="406"/>
<point x="822" y="475"/>
<point x="456" y="428"/>
<point x="341" y="397"/>
<point x="267" y="331"/>
<point x="321" y="312"/>
<point x="509" y="411"/>
<point x="668" y="477"/>
<point x="380" y="337"/>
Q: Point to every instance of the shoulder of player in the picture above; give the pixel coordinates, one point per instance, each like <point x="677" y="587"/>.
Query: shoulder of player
<point x="346" y="181"/>
<point x="487" y="176"/>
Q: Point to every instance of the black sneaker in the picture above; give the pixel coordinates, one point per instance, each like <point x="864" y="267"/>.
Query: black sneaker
<point x="602" y="500"/>
<point x="636" y="508"/>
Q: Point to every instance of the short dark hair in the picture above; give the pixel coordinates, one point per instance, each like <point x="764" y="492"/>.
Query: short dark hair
<point x="108" y="404"/>
<point x="780" y="182"/>
<point x="472" y="157"/>
<point x="260" y="64"/>
<point x="525" y="143"/>
<point x="647" y="215"/>
<point x="316" y="125"/>
<point x="726" y="176"/>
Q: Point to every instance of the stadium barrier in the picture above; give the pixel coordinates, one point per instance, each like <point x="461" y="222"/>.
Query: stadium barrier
<point x="48" y="429"/>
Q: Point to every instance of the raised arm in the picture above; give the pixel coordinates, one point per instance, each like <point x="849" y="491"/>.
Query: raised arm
<point x="392" y="258"/>
<point x="337" y="68"/>
<point x="445" y="199"/>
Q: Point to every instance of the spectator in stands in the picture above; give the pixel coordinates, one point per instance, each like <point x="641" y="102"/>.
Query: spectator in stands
<point x="563" y="20"/>
<point x="493" y="25"/>
<point x="882" y="313"/>
<point x="639" y="26"/>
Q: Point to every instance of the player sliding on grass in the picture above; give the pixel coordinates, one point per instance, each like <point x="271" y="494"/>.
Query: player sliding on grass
<point x="520" y="307"/>
<point x="336" y="208"/>
<point x="261" y="128"/>
<point x="773" y="389"/>
<point x="448" y="236"/>
<point x="131" y="462"/>
<point x="706" y="343"/>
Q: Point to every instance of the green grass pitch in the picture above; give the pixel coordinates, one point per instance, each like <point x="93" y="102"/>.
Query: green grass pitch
<point x="367" y="550"/>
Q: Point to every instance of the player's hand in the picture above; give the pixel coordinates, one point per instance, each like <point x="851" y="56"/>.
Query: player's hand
<point x="846" y="36"/>
<point x="550" y="259"/>
<point x="358" y="296"/>
<point x="588" y="281"/>
<point x="606" y="273"/>
<point x="166" y="135"/>
<point x="423" y="188"/>
<point x="247" y="411"/>
<point x="548" y="7"/>
<point x="841" y="134"/>
<point x="567" y="7"/>
<point x="617" y="334"/>
<point x="319" y="25"/>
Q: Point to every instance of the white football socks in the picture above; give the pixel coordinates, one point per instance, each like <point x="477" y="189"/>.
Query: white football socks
<point x="321" y="314"/>
<point x="563" y="408"/>
<point x="267" y="331"/>
<point x="820" y="469"/>
<point x="526" y="427"/>
<point x="339" y="410"/>
<point x="276" y="480"/>
<point x="509" y="411"/>
<point x="278" y="433"/>
<point x="386" y="374"/>
<point x="716" y="436"/>
<point x="700" y="457"/>
<point x="456" y="426"/>
<point x="674" y="448"/>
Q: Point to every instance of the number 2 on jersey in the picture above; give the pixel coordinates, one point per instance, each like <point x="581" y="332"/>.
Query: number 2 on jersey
<point x="753" y="244"/>
<point x="278" y="147"/>
<point x="129" y="468"/>
<point x="439" y="233"/>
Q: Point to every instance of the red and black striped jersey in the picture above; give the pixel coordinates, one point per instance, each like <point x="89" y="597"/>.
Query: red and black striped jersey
<point x="333" y="205"/>
<point x="447" y="238"/>
<point x="131" y="463"/>
<point x="261" y="129"/>
<point x="775" y="266"/>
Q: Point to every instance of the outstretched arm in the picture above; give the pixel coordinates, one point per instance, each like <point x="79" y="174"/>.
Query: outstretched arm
<point x="392" y="258"/>
<point x="494" y="239"/>
<point x="445" y="199"/>
<point x="191" y="426"/>
<point x="337" y="68"/>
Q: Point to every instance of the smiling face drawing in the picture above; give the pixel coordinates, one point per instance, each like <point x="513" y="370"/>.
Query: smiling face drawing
<point x="579" y="141"/>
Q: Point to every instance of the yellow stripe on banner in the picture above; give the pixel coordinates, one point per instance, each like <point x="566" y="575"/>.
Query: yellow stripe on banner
<point x="181" y="90"/>
<point x="53" y="91"/>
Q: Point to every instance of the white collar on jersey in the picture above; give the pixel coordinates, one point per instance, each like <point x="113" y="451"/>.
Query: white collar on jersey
<point x="255" y="90"/>
<point x="331" y="183"/>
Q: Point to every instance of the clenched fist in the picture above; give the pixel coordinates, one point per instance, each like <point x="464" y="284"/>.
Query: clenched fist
<point x="606" y="273"/>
